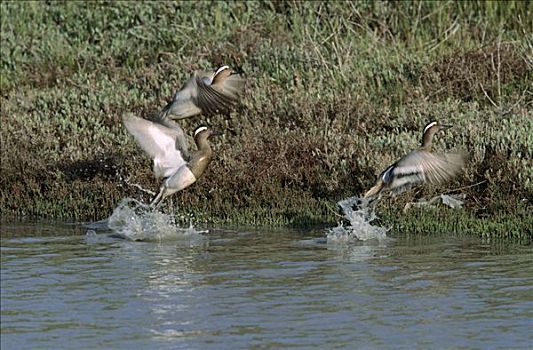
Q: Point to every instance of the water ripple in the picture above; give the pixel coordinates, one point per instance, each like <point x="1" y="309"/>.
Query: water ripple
<point x="265" y="290"/>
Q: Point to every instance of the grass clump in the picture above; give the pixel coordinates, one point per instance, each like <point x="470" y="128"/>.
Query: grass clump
<point x="493" y="225"/>
<point x="337" y="91"/>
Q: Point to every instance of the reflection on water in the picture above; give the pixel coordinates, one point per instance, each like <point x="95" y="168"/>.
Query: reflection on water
<point x="263" y="289"/>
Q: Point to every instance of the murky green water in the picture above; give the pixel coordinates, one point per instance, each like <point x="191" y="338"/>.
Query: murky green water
<point x="252" y="289"/>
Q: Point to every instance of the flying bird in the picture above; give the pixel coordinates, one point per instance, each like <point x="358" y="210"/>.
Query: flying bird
<point x="419" y="166"/>
<point x="206" y="93"/>
<point x="162" y="143"/>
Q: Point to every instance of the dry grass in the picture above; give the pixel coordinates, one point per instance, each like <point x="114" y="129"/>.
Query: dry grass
<point x="336" y="92"/>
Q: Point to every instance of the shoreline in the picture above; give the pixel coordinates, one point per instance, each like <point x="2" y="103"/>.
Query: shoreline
<point x="440" y="220"/>
<point x="334" y="95"/>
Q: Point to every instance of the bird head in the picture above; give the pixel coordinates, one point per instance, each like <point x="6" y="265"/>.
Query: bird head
<point x="435" y="127"/>
<point x="204" y="133"/>
<point x="221" y="74"/>
<point x="431" y="129"/>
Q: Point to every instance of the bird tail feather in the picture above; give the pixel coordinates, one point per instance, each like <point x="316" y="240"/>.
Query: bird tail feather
<point x="376" y="189"/>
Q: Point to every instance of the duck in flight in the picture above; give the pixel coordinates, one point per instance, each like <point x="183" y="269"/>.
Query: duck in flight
<point x="419" y="166"/>
<point x="161" y="143"/>
<point x="205" y="93"/>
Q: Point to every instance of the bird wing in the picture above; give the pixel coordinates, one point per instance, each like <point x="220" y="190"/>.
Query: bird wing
<point x="422" y="166"/>
<point x="220" y="95"/>
<point x="205" y="93"/>
<point x="158" y="141"/>
<point x="181" y="142"/>
<point x="180" y="109"/>
<point x="403" y="175"/>
<point x="182" y="105"/>
<point x="231" y="86"/>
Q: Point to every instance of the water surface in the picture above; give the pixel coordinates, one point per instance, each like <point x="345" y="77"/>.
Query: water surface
<point x="261" y="289"/>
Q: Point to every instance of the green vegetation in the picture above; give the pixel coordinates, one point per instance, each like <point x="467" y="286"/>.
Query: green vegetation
<point x="494" y="226"/>
<point x="337" y="91"/>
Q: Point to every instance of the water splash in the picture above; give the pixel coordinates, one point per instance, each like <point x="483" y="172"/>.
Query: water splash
<point x="357" y="211"/>
<point x="136" y="221"/>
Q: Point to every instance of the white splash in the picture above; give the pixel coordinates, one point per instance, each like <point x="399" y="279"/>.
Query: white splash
<point x="360" y="216"/>
<point x="136" y="221"/>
